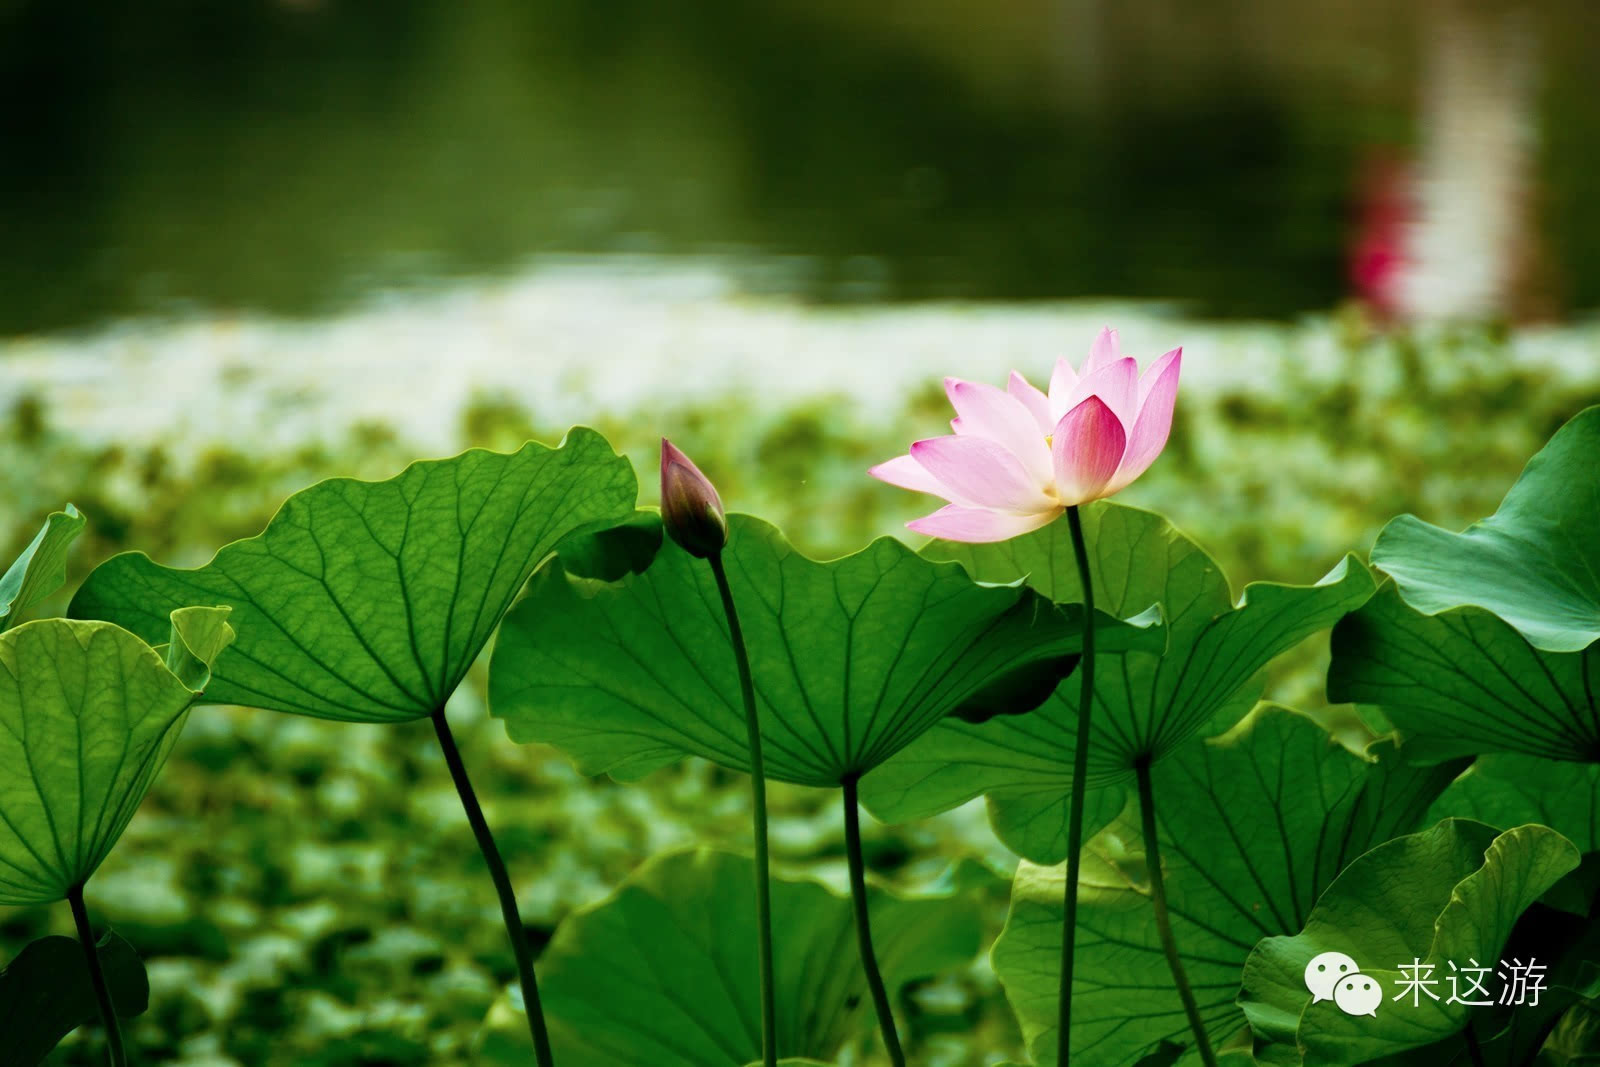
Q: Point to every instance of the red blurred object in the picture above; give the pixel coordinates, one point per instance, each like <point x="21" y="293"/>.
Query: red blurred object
<point x="1385" y="209"/>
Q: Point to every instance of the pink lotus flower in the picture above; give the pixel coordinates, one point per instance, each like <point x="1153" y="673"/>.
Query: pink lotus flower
<point x="1019" y="458"/>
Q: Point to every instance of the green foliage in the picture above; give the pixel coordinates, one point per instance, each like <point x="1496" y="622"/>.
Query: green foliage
<point x="42" y="566"/>
<point x="853" y="658"/>
<point x="1535" y="562"/>
<point x="88" y="714"/>
<point x="660" y="974"/>
<point x="1149" y="703"/>
<point x="1489" y="640"/>
<point x="1507" y="790"/>
<point x="368" y="601"/>
<point x="45" y="994"/>
<point x="1463" y="681"/>
<point x="1575" y="1039"/>
<point x="1449" y="894"/>
<point x="310" y="898"/>
<point x="610" y="553"/>
<point x="1254" y="825"/>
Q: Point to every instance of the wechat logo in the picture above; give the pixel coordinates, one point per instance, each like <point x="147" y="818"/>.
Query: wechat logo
<point x="1336" y="977"/>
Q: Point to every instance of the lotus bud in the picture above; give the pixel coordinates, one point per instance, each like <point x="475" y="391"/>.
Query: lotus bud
<point x="691" y="510"/>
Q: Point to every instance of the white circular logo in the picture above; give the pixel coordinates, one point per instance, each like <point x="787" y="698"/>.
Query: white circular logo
<point x="1324" y="972"/>
<point x="1358" y="995"/>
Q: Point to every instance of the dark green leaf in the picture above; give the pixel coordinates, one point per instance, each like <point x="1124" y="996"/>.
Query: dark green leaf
<point x="1017" y="693"/>
<point x="1254" y="825"/>
<point x="42" y="567"/>
<point x="615" y="551"/>
<point x="1576" y="1039"/>
<point x="1509" y="790"/>
<point x="368" y="601"/>
<point x="1535" y="562"/>
<point x="1564" y="943"/>
<point x="852" y="658"/>
<point x="1147" y="704"/>
<point x="663" y="972"/>
<point x="1447" y="895"/>
<point x="1464" y="681"/>
<point x="45" y="994"/>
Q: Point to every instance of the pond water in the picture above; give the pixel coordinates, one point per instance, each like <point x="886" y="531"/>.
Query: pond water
<point x="179" y="158"/>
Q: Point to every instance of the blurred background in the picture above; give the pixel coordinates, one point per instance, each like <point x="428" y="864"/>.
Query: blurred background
<point x="1235" y="155"/>
<point x="251" y="245"/>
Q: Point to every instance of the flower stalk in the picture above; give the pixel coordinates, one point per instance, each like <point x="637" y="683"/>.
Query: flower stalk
<point x="1080" y="789"/>
<point x="758" y="800"/>
<point x="1158" y="898"/>
<point x="692" y="513"/>
<point x="97" y="978"/>
<point x="1016" y="460"/>
<point x="858" y="901"/>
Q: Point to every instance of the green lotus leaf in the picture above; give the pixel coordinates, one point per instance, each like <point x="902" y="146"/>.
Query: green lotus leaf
<point x="1535" y="562"/>
<point x="1147" y="703"/>
<point x="656" y="974"/>
<point x="852" y="658"/>
<point x="1565" y="945"/>
<point x="1575" y="1041"/>
<point x="42" y="567"/>
<point x="1447" y="895"/>
<point x="1507" y="790"/>
<point x="45" y="994"/>
<point x="612" y="552"/>
<point x="368" y="601"/>
<point x="1167" y="1055"/>
<point x="1464" y="681"/>
<point x="88" y="714"/>
<point x="1254" y="825"/>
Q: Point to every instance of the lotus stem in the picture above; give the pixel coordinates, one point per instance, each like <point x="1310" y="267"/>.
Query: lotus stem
<point x="858" y="899"/>
<point x="1158" y="897"/>
<point x="1080" y="788"/>
<point x="758" y="798"/>
<point x="502" y="886"/>
<point x="97" y="978"/>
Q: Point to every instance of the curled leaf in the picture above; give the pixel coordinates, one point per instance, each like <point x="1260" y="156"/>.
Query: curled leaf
<point x="42" y="567"/>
